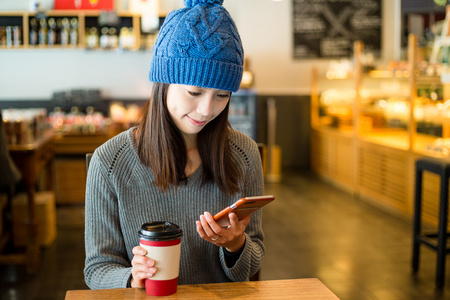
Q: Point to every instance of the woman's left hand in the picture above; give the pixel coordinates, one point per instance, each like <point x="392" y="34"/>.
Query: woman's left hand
<point x="231" y="238"/>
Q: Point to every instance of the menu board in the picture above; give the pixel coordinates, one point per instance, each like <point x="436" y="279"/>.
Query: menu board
<point x="328" y="28"/>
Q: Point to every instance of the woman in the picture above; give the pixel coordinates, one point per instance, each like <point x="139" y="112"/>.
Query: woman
<point x="180" y="164"/>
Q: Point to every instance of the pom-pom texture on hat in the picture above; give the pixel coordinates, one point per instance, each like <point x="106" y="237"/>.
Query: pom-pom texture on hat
<point x="192" y="3"/>
<point x="199" y="46"/>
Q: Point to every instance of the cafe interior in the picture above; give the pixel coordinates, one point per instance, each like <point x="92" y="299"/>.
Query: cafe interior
<point x="347" y="101"/>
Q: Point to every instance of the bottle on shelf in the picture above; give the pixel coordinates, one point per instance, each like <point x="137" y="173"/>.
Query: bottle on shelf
<point x="113" y="40"/>
<point x="9" y="36"/>
<point x="74" y="32"/>
<point x="2" y="36"/>
<point x="124" y="38"/>
<point x="59" y="28"/>
<point x="43" y="32"/>
<point x="65" y="32"/>
<point x="17" y="36"/>
<point x="33" y="32"/>
<point x="51" y="34"/>
<point x="104" y="38"/>
<point x="92" y="38"/>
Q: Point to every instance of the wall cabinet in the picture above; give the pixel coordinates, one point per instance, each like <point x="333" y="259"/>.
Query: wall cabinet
<point x="368" y="129"/>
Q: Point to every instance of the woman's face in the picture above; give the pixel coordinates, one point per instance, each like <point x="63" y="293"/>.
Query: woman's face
<point x="191" y="107"/>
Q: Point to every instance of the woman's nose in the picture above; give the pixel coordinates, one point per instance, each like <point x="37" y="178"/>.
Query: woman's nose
<point x="205" y="106"/>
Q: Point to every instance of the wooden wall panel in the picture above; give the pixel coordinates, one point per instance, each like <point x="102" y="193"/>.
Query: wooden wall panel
<point x="383" y="175"/>
<point x="333" y="158"/>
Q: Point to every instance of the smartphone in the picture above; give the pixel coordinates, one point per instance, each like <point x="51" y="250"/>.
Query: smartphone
<point x="242" y="208"/>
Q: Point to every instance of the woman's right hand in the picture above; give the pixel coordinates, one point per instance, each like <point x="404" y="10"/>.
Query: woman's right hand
<point x="142" y="267"/>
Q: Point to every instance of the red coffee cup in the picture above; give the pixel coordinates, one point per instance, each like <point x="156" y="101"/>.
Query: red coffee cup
<point x="162" y="240"/>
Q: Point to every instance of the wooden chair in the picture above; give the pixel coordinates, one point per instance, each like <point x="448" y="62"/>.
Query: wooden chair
<point x="88" y="160"/>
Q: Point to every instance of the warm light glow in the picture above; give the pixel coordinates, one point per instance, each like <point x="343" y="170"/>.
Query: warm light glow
<point x="380" y="74"/>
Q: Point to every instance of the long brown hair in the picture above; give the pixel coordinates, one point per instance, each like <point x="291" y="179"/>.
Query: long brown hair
<point x="161" y="146"/>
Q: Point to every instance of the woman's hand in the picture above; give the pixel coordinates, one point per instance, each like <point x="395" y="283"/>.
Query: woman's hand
<point x="231" y="238"/>
<point x="142" y="267"/>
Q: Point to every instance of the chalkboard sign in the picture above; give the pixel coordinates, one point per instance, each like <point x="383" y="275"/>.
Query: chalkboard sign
<point x="328" y="28"/>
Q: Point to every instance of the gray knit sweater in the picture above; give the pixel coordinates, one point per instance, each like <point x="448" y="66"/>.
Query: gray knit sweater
<point x="121" y="196"/>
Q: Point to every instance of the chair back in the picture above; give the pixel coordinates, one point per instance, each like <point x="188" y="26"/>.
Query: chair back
<point x="88" y="160"/>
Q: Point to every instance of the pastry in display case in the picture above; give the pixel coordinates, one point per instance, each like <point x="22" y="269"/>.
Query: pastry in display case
<point x="78" y="122"/>
<point x="336" y="107"/>
<point x="382" y="98"/>
<point x="440" y="147"/>
<point x="429" y="116"/>
<point x="24" y="126"/>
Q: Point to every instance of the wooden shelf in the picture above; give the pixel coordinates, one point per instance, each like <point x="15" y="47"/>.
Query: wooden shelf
<point x="67" y="13"/>
<point x="81" y="15"/>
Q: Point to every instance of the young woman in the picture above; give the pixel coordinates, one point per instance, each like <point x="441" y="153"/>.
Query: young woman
<point x="181" y="164"/>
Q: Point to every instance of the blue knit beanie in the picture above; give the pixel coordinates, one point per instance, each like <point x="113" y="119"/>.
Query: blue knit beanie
<point x="199" y="45"/>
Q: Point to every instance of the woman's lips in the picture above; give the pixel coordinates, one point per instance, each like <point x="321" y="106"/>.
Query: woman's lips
<point x="196" y="123"/>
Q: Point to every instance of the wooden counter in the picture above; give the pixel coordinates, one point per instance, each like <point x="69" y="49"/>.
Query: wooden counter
<point x="311" y="288"/>
<point x="378" y="167"/>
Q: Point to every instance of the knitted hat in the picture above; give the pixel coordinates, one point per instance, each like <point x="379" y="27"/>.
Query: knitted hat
<point x="200" y="46"/>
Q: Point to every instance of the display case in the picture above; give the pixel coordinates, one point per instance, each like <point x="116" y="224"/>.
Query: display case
<point x="369" y="127"/>
<point x="402" y="107"/>
<point x="242" y="114"/>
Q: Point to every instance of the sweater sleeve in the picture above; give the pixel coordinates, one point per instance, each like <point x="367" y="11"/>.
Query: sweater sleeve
<point x="106" y="264"/>
<point x="252" y="255"/>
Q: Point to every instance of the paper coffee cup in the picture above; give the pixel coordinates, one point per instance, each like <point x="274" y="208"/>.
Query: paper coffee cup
<point x="162" y="240"/>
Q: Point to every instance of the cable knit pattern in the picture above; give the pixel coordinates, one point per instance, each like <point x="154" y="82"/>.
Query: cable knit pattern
<point x="191" y="3"/>
<point x="121" y="196"/>
<point x="199" y="45"/>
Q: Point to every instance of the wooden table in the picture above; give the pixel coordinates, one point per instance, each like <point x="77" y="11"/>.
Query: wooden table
<point x="310" y="288"/>
<point x="31" y="160"/>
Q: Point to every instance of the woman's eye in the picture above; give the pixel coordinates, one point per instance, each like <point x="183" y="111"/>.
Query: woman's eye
<point x="194" y="93"/>
<point x="225" y="96"/>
